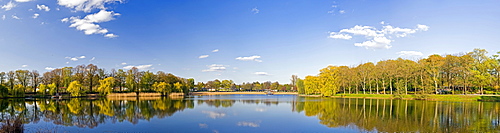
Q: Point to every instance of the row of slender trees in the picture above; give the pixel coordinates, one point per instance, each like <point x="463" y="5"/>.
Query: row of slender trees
<point x="84" y="79"/>
<point x="464" y="73"/>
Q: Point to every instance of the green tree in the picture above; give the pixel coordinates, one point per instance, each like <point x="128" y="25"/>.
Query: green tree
<point x="4" y="91"/>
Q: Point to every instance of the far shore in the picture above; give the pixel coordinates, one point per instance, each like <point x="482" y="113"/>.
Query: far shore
<point x="229" y="93"/>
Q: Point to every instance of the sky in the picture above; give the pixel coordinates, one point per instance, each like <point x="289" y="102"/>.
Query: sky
<point x="240" y="40"/>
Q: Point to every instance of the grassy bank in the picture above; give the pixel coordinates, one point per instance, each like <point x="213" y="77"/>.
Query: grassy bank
<point x="495" y="98"/>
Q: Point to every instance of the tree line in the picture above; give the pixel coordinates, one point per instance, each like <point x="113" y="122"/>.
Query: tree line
<point x="84" y="79"/>
<point x="463" y="73"/>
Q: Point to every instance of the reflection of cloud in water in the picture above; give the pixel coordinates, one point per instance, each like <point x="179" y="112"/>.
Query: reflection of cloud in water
<point x="248" y="124"/>
<point x="215" y="131"/>
<point x="260" y="109"/>
<point x="203" y="125"/>
<point x="213" y="114"/>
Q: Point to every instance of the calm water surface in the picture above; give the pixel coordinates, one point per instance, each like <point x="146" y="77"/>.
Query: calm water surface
<point x="252" y="113"/>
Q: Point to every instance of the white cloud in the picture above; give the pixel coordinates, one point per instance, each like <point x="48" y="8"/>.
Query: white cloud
<point x="86" y="5"/>
<point x="24" y="66"/>
<point x="342" y="11"/>
<point x="339" y="36"/>
<point x="203" y="56"/>
<point x="123" y="63"/>
<point x="36" y="15"/>
<point x="93" y="58"/>
<point x="261" y="73"/>
<point x="376" y="39"/>
<point x="3" y="17"/>
<point x="410" y="53"/>
<point x="214" y="67"/>
<point x="111" y="35"/>
<point x="15" y="17"/>
<point x="74" y="59"/>
<point x="250" y="58"/>
<point x="215" y="50"/>
<point x="89" y="24"/>
<point x="140" y="67"/>
<point x="8" y="6"/>
<point x="248" y="124"/>
<point x="65" y="20"/>
<point x="24" y="0"/>
<point x="423" y="27"/>
<point x="43" y="7"/>
<point x="49" y="68"/>
<point x="82" y="57"/>
<point x="255" y="10"/>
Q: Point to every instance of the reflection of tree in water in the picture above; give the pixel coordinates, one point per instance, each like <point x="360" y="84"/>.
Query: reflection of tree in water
<point x="90" y="113"/>
<point x="384" y="115"/>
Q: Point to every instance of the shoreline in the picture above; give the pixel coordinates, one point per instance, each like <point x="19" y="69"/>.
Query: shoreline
<point x="229" y="93"/>
<point x="461" y="98"/>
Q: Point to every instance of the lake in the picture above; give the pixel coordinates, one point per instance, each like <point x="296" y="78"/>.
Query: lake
<point x="251" y="113"/>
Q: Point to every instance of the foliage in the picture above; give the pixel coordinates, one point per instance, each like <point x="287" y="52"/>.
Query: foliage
<point x="162" y="87"/>
<point x="74" y="89"/>
<point x="4" y="91"/>
<point x="472" y="72"/>
<point x="106" y="86"/>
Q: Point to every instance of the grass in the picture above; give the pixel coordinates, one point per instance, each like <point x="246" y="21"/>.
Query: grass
<point x="424" y="97"/>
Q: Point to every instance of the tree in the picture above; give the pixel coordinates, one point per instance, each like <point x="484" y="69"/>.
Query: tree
<point x="74" y="89"/>
<point x="52" y="88"/>
<point x="293" y="81"/>
<point x="163" y="88"/>
<point x="43" y="89"/>
<point x="2" y="78"/>
<point x="35" y="79"/>
<point x="300" y="86"/>
<point x="90" y="75"/>
<point x="106" y="86"/>
<point x="4" y="91"/>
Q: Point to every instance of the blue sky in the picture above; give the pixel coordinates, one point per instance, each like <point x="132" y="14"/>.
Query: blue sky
<point x="242" y="40"/>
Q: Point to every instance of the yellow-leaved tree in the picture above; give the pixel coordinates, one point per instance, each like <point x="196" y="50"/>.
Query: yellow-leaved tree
<point x="74" y="89"/>
<point x="106" y="86"/>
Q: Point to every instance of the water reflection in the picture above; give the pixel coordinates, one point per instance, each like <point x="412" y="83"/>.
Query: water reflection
<point x="258" y="114"/>
<point x="90" y="113"/>
<point x="383" y="115"/>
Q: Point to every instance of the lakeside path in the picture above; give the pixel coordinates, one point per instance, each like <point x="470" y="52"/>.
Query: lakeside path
<point x="229" y="93"/>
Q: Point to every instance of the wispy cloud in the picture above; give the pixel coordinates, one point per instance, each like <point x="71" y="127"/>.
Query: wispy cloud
<point x="123" y="63"/>
<point x="255" y="10"/>
<point x="250" y="58"/>
<point x="261" y="73"/>
<point x="409" y="53"/>
<point x="203" y="56"/>
<point x="3" y="17"/>
<point x="15" y="17"/>
<point x="49" y="68"/>
<point x="43" y="7"/>
<point x="86" y="5"/>
<point x="214" y="67"/>
<point x="215" y="50"/>
<point x="24" y="66"/>
<point x="248" y="124"/>
<point x="376" y="39"/>
<point x="75" y="58"/>
<point x="36" y="15"/>
<point x="24" y="0"/>
<point x="8" y="6"/>
<point x="140" y="67"/>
